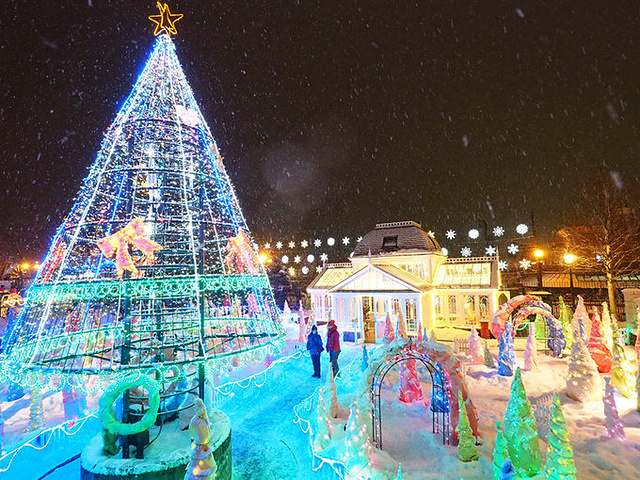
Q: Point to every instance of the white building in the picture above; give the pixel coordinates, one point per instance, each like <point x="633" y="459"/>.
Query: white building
<point x="398" y="268"/>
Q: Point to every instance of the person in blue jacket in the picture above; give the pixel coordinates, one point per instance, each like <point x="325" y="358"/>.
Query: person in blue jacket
<point x="314" y="345"/>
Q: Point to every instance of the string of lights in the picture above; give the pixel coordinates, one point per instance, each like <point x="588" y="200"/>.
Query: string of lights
<point x="72" y="427"/>
<point x="306" y="405"/>
<point x="307" y="257"/>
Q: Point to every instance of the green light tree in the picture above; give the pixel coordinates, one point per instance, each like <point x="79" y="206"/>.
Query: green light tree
<point x="488" y="358"/>
<point x="520" y="431"/>
<point x="622" y="372"/>
<point x="500" y="451"/>
<point x="559" y="463"/>
<point x="565" y="320"/>
<point x="467" y="451"/>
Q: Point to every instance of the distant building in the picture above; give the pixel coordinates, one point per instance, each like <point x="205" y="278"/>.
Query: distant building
<point x="399" y="269"/>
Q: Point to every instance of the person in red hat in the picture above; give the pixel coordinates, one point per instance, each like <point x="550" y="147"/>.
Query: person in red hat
<point x="333" y="346"/>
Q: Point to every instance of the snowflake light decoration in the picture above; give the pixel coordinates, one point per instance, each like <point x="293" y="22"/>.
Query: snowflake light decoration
<point x="445" y="251"/>
<point x="465" y="252"/>
<point x="310" y="258"/>
<point x="304" y="244"/>
<point x="292" y="244"/>
<point x="502" y="265"/>
<point x="498" y="231"/>
<point x="345" y="241"/>
<point x="292" y="271"/>
<point x="324" y="257"/>
<point x="318" y="269"/>
<point x="317" y="242"/>
<point x="431" y="233"/>
<point x="267" y="246"/>
<point x="296" y="259"/>
<point x="305" y="270"/>
<point x="451" y="234"/>
<point x="359" y="239"/>
<point x="522" y="229"/>
<point x="285" y="259"/>
<point x="279" y="245"/>
<point x="331" y="241"/>
<point x="525" y="264"/>
<point x="513" y="249"/>
<point x="490" y="250"/>
<point x="474" y="234"/>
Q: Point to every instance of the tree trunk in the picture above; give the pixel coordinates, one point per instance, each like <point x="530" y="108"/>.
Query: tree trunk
<point x="611" y="289"/>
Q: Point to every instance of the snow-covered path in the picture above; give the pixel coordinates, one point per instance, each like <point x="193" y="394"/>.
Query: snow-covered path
<point x="267" y="444"/>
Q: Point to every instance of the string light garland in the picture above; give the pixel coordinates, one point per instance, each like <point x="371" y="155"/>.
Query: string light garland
<point x="73" y="427"/>
<point x="306" y="409"/>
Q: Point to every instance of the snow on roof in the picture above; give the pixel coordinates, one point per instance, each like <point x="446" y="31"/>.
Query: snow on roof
<point x="399" y="237"/>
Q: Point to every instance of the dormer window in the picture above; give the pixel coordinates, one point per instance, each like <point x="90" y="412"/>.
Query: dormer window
<point x="390" y="243"/>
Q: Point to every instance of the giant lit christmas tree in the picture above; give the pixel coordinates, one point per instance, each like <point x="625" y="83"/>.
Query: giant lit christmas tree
<point x="153" y="268"/>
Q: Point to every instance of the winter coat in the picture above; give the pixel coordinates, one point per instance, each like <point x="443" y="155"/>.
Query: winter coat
<point x="333" y="340"/>
<point x="314" y="344"/>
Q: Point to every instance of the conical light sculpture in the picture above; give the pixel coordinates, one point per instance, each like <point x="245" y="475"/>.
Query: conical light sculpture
<point x="154" y="265"/>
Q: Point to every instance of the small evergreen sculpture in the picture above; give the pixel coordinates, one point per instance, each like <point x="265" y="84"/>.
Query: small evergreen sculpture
<point x="505" y="367"/>
<point x="467" y="450"/>
<point x="611" y="417"/>
<point x="531" y="354"/>
<point x="559" y="464"/>
<point x="520" y="431"/>
<point x="356" y="442"/>
<point x="500" y="452"/>
<point x="389" y="335"/>
<point x="475" y="347"/>
<point x="365" y="359"/>
<point x="584" y="383"/>
<point x="622" y="372"/>
<point x="331" y="390"/>
<point x="323" y="427"/>
<point x="598" y="347"/>
<point x="488" y="358"/>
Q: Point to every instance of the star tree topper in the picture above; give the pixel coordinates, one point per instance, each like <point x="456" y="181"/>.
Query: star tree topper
<point x="166" y="21"/>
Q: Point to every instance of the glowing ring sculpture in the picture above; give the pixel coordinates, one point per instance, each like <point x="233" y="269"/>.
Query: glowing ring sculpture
<point x="107" y="415"/>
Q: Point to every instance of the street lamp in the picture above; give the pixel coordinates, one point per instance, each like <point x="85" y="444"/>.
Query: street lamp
<point x="569" y="258"/>
<point x="539" y="253"/>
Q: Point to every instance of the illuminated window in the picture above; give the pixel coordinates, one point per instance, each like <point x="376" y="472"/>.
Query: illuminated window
<point x="395" y="307"/>
<point x="470" y="307"/>
<point x="438" y="306"/>
<point x="410" y="308"/>
<point x="453" y="305"/>
<point x="484" y="307"/>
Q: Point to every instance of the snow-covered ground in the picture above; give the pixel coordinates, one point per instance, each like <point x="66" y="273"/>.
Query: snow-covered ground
<point x="407" y="429"/>
<point x="267" y="444"/>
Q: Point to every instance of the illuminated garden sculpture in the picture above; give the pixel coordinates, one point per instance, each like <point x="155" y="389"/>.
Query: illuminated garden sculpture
<point x="141" y="274"/>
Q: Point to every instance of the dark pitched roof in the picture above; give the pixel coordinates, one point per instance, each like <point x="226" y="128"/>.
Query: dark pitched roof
<point x="402" y="237"/>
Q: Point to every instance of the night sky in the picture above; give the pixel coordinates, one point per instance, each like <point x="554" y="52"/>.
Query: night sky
<point x="335" y="115"/>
